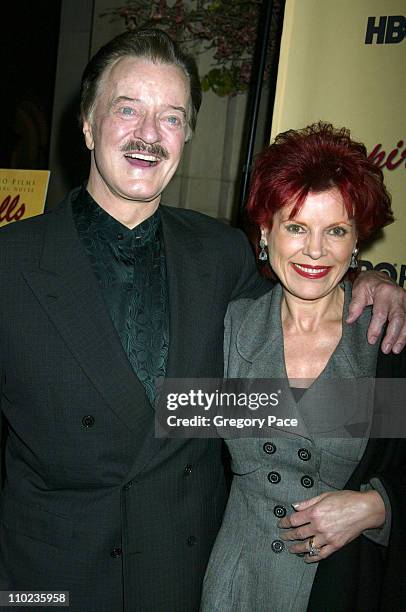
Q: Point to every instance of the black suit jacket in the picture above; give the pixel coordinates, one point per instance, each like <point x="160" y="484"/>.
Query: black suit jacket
<point x="92" y="502"/>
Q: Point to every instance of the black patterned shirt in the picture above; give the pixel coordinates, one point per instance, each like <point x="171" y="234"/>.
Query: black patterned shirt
<point x="131" y="269"/>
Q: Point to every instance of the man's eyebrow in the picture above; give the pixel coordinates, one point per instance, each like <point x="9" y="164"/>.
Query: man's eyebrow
<point x="128" y="99"/>
<point x="123" y="99"/>
<point x="179" y="108"/>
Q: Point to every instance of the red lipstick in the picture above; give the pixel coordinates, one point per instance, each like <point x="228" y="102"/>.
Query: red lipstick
<point x="313" y="272"/>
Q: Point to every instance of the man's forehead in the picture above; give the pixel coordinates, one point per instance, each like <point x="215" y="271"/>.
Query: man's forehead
<point x="128" y="74"/>
<point x="131" y="67"/>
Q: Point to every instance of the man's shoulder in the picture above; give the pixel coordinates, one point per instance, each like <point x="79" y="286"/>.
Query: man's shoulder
<point x="22" y="241"/>
<point x="199" y="222"/>
<point x="23" y="234"/>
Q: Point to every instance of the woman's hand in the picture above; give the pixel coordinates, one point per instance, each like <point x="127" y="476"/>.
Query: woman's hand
<point x="388" y="304"/>
<point x="332" y="520"/>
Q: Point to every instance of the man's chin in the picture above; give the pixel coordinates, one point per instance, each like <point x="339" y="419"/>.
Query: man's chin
<point x="137" y="197"/>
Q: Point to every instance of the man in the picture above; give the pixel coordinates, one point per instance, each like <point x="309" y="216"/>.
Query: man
<point x="100" y="299"/>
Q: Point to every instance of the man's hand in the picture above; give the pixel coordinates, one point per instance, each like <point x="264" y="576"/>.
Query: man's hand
<point x="332" y="520"/>
<point x="388" y="304"/>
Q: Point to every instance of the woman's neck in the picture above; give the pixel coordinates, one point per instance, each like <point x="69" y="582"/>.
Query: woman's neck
<point x="307" y="316"/>
<point x="311" y="332"/>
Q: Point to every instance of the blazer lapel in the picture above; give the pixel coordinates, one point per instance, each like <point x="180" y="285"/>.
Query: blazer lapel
<point x="186" y="277"/>
<point x="260" y="342"/>
<point x="68" y="290"/>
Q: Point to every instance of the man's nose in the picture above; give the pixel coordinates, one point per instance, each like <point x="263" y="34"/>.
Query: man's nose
<point x="314" y="246"/>
<point x="148" y="129"/>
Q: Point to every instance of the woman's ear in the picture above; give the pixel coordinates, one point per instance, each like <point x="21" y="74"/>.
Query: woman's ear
<point x="264" y="235"/>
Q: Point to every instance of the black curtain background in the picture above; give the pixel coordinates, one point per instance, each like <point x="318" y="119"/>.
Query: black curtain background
<point x="29" y="35"/>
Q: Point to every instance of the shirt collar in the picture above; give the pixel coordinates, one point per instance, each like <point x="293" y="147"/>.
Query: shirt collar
<point x="91" y="218"/>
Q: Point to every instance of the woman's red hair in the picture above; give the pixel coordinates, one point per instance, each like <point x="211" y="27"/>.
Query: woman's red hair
<point x="317" y="158"/>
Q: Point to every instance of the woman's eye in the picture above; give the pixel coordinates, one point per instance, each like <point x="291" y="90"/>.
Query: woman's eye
<point x="293" y="228"/>
<point x="337" y="231"/>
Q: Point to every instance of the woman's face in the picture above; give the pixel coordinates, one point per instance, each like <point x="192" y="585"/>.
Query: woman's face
<point x="311" y="252"/>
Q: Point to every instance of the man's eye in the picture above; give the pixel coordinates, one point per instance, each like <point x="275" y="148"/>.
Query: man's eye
<point x="173" y="120"/>
<point x="337" y="231"/>
<point x="127" y="110"/>
<point x="293" y="228"/>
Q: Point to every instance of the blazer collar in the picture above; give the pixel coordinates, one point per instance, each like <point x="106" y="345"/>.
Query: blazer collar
<point x="260" y="336"/>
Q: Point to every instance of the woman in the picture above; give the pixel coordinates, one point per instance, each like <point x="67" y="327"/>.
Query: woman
<point x="315" y="197"/>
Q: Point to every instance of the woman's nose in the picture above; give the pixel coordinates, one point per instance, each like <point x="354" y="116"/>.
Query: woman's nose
<point x="314" y="246"/>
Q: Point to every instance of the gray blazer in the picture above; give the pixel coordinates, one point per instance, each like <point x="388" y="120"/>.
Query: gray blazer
<point x="250" y="567"/>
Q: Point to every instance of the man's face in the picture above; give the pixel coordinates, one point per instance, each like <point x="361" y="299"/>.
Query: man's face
<point x="137" y="131"/>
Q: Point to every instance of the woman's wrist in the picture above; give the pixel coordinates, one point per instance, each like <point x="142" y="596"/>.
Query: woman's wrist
<point x="375" y="509"/>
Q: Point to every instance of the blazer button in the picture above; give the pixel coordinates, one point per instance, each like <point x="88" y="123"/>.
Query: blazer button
<point x="269" y="448"/>
<point x="191" y="541"/>
<point x="304" y="454"/>
<point x="307" y="482"/>
<point x="128" y="485"/>
<point x="88" y="421"/>
<point x="277" y="546"/>
<point x="274" y="477"/>
<point x="116" y="552"/>
<point x="188" y="470"/>
<point x="279" y="511"/>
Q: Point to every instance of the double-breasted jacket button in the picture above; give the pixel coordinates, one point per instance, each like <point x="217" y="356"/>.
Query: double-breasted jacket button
<point x="274" y="477"/>
<point x="128" y="485"/>
<point x="277" y="546"/>
<point x="188" y="470"/>
<point x="307" y="482"/>
<point x="88" y="421"/>
<point x="304" y="454"/>
<point x="269" y="448"/>
<point x="191" y="541"/>
<point x="116" y="552"/>
<point x="279" y="511"/>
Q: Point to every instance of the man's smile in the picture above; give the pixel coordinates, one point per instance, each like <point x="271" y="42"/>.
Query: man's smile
<point x="141" y="159"/>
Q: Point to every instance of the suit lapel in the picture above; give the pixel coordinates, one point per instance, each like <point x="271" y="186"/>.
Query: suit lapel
<point x="186" y="277"/>
<point x="183" y="252"/>
<point x="69" y="292"/>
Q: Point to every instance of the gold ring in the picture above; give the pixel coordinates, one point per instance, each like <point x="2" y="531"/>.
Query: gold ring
<point x="313" y="550"/>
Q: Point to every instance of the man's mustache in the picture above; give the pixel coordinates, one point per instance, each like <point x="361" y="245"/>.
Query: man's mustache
<point x="150" y="149"/>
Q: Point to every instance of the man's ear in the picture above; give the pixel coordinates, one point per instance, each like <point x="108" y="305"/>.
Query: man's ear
<point x="88" y="134"/>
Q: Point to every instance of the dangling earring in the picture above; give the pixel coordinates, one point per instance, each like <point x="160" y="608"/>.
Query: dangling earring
<point x="262" y="255"/>
<point x="354" y="260"/>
